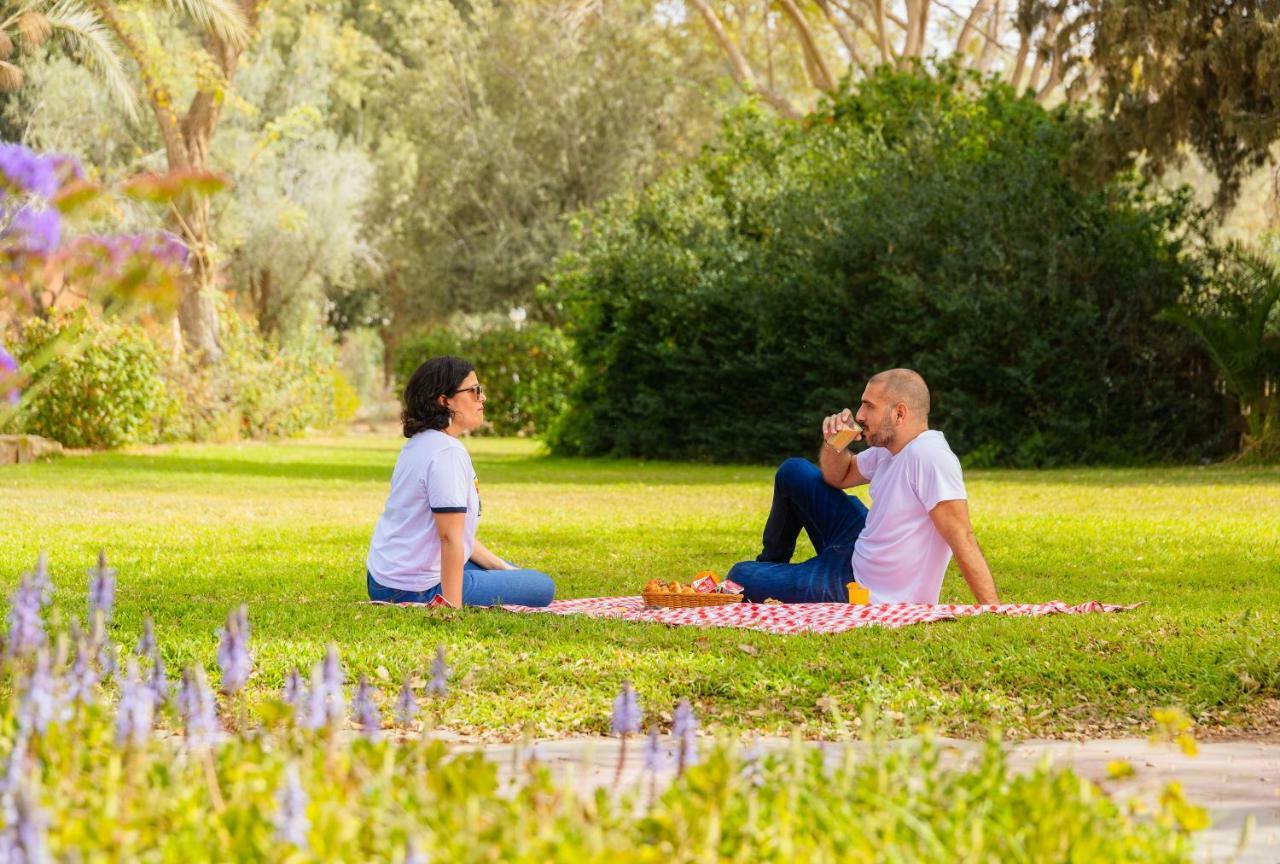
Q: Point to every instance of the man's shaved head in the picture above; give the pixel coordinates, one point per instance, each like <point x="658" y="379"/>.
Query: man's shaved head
<point x="905" y="386"/>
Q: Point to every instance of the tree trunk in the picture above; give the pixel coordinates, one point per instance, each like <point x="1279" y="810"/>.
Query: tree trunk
<point x="739" y="66"/>
<point x="186" y="142"/>
<point x="197" y="314"/>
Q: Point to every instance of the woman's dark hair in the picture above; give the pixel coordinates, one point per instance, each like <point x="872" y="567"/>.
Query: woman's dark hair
<point x="439" y="376"/>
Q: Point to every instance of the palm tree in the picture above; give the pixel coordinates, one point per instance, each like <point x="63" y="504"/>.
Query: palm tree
<point x="96" y="33"/>
<point x="225" y="26"/>
<point x="30" y="23"/>
<point x="1244" y="343"/>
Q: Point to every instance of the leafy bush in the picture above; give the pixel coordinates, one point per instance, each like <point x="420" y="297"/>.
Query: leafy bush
<point x="259" y="390"/>
<point x="88" y="778"/>
<point x="526" y="372"/>
<point x="97" y="382"/>
<point x="1239" y="326"/>
<point x="917" y="221"/>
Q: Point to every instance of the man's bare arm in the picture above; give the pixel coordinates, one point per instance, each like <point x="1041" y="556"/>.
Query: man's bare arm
<point x="951" y="518"/>
<point x="839" y="467"/>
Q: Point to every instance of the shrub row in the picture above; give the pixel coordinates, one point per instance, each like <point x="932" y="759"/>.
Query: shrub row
<point x="918" y="221"/>
<point x="101" y="383"/>
<point x="527" y="373"/>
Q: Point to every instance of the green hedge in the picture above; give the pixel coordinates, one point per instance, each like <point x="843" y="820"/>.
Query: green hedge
<point x="99" y="383"/>
<point x="527" y="373"/>
<point x="919" y="221"/>
<point x="94" y="383"/>
<point x="261" y="389"/>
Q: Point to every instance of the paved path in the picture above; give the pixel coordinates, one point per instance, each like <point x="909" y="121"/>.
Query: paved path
<point x="1235" y="780"/>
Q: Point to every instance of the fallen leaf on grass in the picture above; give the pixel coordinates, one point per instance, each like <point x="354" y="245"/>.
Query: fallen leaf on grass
<point x="749" y="649"/>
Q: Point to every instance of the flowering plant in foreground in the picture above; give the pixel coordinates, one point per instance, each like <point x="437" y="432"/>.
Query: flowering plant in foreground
<point x="42" y="259"/>
<point x="96" y="763"/>
<point x="47" y="263"/>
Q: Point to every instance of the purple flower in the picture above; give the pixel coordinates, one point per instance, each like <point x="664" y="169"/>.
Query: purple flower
<point x="26" y="626"/>
<point x="136" y="709"/>
<point x="653" y="751"/>
<point x="108" y="661"/>
<point x="335" y="699"/>
<point x="294" y="688"/>
<point x="311" y="713"/>
<point x="84" y="678"/>
<point x="29" y="172"/>
<point x="439" y="684"/>
<point x="40" y="576"/>
<point x="366" y="711"/>
<point x="684" y="727"/>
<point x="9" y="370"/>
<point x="233" y="651"/>
<point x="169" y="249"/>
<point x="198" y="709"/>
<point x="626" y="712"/>
<point x="39" y="699"/>
<point x="158" y="683"/>
<point x="23" y="838"/>
<point x="291" y="819"/>
<point x="15" y="772"/>
<point x="68" y="166"/>
<point x="147" y="641"/>
<point x="406" y="704"/>
<point x="35" y="231"/>
<point x="102" y="589"/>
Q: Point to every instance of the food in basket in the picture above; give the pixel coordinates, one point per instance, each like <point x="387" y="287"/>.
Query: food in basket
<point x="706" y="589"/>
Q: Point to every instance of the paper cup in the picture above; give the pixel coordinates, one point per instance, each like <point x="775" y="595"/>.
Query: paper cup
<point x="858" y="595"/>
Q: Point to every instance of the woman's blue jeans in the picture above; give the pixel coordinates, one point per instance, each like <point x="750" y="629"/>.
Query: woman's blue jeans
<point x="480" y="587"/>
<point x="833" y="521"/>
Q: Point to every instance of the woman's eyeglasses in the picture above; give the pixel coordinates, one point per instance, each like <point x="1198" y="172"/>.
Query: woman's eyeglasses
<point x="477" y="389"/>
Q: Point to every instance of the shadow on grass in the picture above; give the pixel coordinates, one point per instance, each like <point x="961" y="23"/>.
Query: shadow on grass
<point x="530" y="470"/>
<point x="1180" y="475"/>
<point x="305" y="463"/>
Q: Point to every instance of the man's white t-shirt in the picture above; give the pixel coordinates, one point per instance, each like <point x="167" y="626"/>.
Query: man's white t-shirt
<point x="433" y="475"/>
<point x="900" y="556"/>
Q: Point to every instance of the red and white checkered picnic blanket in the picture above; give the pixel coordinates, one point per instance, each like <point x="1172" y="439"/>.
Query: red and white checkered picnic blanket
<point x="801" y="617"/>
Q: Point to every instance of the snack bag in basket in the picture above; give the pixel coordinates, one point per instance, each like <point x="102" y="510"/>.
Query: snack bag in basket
<point x="706" y="583"/>
<point x="728" y="586"/>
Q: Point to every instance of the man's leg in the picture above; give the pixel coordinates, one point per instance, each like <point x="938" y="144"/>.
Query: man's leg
<point x="802" y="499"/>
<point x="821" y="579"/>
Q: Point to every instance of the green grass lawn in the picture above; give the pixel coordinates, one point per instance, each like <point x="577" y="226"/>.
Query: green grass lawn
<point x="195" y="530"/>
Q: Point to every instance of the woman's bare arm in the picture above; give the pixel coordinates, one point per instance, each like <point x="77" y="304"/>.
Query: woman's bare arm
<point x="453" y="555"/>
<point x="486" y="559"/>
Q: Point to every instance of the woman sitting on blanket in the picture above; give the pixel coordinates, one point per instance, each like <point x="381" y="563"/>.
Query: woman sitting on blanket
<point x="425" y="545"/>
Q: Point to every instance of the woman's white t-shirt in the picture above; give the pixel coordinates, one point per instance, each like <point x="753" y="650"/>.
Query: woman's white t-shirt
<point x="433" y="475"/>
<point x="900" y="556"/>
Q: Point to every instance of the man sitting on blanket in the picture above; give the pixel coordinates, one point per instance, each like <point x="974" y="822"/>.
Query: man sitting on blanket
<point x="919" y="518"/>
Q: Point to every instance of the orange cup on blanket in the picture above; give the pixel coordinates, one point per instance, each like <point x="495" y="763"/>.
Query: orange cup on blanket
<point x="858" y="595"/>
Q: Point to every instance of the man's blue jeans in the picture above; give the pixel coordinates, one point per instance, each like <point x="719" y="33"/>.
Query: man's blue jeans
<point x="833" y="521"/>
<point x="480" y="587"/>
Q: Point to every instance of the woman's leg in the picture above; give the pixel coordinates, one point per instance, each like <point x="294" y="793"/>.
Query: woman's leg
<point x="481" y="587"/>
<point x="802" y="499"/>
<point x="383" y="594"/>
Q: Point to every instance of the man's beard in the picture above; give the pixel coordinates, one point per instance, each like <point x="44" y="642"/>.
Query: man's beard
<point x="881" y="437"/>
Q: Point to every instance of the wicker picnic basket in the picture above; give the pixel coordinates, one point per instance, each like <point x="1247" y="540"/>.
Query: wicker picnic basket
<point x="678" y="601"/>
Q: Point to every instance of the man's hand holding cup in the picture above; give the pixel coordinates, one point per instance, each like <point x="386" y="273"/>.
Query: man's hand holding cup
<point x="841" y="430"/>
